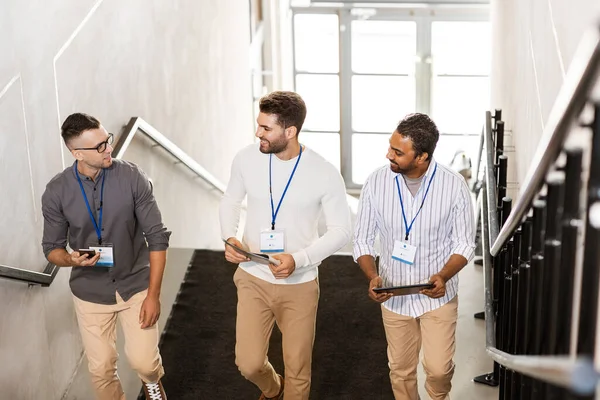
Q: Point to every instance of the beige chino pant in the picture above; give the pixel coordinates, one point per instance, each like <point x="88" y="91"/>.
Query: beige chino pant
<point x="294" y="308"/>
<point x="436" y="331"/>
<point x="98" y="327"/>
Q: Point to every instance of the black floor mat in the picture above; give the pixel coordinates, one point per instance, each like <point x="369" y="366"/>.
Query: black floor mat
<point x="349" y="359"/>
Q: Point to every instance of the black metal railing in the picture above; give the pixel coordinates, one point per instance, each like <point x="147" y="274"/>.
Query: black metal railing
<point x="542" y="258"/>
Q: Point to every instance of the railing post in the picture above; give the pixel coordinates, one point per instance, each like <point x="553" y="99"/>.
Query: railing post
<point x="492" y="378"/>
<point x="502" y="177"/>
<point x="552" y="287"/>
<point x="491" y="222"/>
<point x="523" y="328"/>
<point x="537" y="283"/>
<point x="588" y="312"/>
<point x="571" y="226"/>
<point x="504" y="302"/>
<point x="514" y="310"/>
<point x="497" y="117"/>
<point x="499" y="139"/>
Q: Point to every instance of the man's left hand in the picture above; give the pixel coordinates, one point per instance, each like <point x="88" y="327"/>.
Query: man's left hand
<point x="286" y="268"/>
<point x="150" y="312"/>
<point x="439" y="287"/>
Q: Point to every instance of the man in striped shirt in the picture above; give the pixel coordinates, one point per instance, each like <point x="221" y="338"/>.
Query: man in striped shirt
<point x="423" y="214"/>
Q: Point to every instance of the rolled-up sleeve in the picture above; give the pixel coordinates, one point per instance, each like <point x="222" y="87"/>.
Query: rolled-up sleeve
<point x="56" y="227"/>
<point x="463" y="232"/>
<point x="366" y="225"/>
<point x="148" y="214"/>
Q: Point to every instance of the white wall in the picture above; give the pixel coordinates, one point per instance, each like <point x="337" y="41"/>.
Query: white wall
<point x="182" y="65"/>
<point x="534" y="43"/>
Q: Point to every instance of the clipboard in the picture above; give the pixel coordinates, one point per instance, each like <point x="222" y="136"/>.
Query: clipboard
<point x="404" y="290"/>
<point x="256" y="257"/>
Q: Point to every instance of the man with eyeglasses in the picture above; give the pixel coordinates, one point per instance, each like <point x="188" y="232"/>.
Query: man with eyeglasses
<point x="104" y="210"/>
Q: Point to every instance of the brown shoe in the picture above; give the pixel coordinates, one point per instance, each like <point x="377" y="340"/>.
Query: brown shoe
<point x="154" y="391"/>
<point x="279" y="395"/>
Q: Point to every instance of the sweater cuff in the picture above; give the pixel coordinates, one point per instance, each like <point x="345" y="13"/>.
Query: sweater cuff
<point x="301" y="259"/>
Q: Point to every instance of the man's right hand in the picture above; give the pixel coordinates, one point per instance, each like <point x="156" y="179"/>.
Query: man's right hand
<point x="377" y="282"/>
<point x="83" y="260"/>
<point x="233" y="256"/>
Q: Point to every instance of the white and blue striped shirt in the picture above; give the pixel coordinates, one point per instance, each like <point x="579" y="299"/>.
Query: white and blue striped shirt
<point x="445" y="226"/>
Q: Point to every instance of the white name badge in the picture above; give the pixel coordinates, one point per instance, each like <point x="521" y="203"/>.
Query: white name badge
<point x="272" y="242"/>
<point x="404" y="252"/>
<point x="106" y="255"/>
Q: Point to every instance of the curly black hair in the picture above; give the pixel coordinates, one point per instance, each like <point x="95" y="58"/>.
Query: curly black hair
<point x="288" y="106"/>
<point x="422" y="131"/>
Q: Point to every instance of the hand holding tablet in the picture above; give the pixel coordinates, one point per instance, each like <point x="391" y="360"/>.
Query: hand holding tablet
<point x="404" y="290"/>
<point x="256" y="257"/>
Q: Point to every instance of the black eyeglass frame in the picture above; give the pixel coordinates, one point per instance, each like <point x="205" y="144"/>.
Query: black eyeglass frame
<point x="101" y="145"/>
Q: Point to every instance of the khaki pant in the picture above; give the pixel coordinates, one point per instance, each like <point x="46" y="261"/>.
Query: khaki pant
<point x="294" y="308"/>
<point x="98" y="327"/>
<point x="435" y="330"/>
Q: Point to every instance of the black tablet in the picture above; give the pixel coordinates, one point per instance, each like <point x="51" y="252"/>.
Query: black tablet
<point x="256" y="257"/>
<point x="404" y="290"/>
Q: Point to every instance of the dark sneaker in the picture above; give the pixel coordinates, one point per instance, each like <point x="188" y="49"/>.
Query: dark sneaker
<point x="154" y="391"/>
<point x="279" y="395"/>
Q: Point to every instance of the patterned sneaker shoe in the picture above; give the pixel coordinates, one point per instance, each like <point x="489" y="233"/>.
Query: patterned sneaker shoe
<point x="279" y="395"/>
<point x="154" y="391"/>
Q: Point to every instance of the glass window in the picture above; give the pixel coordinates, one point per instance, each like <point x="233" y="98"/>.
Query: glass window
<point x="461" y="47"/>
<point x="316" y="42"/>
<point x="326" y="144"/>
<point x="384" y="47"/>
<point x="449" y="145"/>
<point x="368" y="153"/>
<point x="321" y="93"/>
<point x="459" y="103"/>
<point x="379" y="102"/>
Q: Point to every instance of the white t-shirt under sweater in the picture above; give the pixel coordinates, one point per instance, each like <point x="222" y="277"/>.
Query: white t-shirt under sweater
<point x="316" y="187"/>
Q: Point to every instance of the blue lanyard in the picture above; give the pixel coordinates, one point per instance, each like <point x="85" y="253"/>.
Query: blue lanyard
<point x="97" y="225"/>
<point x="273" y="211"/>
<point x="409" y="227"/>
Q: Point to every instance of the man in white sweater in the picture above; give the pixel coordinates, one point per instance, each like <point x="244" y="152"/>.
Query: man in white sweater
<point x="288" y="186"/>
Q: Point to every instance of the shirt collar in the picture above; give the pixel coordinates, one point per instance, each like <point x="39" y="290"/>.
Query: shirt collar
<point x="74" y="168"/>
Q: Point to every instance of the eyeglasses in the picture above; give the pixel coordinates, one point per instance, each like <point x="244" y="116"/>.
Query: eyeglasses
<point x="101" y="148"/>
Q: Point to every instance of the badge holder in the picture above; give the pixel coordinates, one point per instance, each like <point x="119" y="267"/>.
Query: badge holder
<point x="404" y="252"/>
<point x="272" y="241"/>
<point x="106" y="259"/>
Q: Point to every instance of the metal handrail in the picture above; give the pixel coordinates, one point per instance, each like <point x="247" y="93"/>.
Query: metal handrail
<point x="138" y="124"/>
<point x="577" y="374"/>
<point x="575" y="91"/>
<point x="135" y="124"/>
<point x="43" y="278"/>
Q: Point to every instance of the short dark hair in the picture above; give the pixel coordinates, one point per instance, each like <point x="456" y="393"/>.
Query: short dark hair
<point x="288" y="106"/>
<point x="422" y="131"/>
<point x="76" y="124"/>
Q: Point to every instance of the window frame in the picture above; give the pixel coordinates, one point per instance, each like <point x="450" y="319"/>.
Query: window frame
<point x="424" y="16"/>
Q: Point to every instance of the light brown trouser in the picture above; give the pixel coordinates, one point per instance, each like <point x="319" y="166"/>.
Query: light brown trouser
<point x="294" y="308"/>
<point x="404" y="334"/>
<point x="98" y="327"/>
